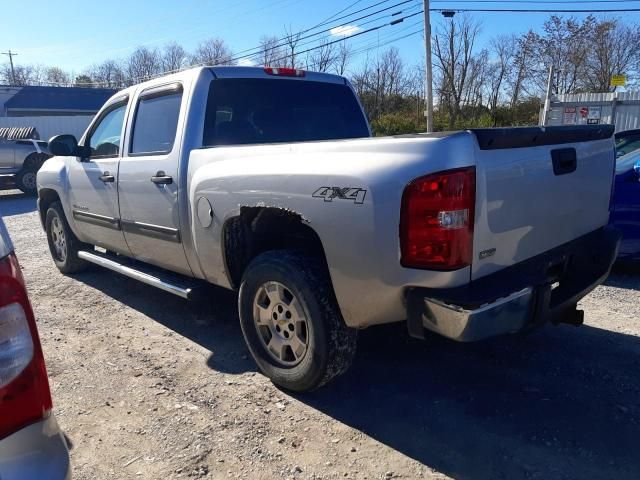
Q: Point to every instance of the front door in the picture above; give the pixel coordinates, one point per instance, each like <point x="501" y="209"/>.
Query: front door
<point x="94" y="191"/>
<point x="148" y="180"/>
<point x="7" y="153"/>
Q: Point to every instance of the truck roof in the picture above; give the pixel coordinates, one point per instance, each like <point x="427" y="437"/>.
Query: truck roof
<point x="232" y="72"/>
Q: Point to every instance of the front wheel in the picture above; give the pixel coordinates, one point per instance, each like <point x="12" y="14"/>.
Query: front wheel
<point x="63" y="244"/>
<point x="291" y="321"/>
<point x="26" y="181"/>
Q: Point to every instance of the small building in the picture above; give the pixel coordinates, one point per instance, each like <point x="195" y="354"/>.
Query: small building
<point x="50" y="110"/>
<point x="34" y="101"/>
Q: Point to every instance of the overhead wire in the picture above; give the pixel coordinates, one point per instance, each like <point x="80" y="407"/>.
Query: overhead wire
<point x="397" y="20"/>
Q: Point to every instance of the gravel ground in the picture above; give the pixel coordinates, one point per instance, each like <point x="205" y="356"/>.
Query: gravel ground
<point x="148" y="386"/>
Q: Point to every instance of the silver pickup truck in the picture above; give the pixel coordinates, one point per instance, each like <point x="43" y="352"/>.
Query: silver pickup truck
<point x="21" y="160"/>
<point x="265" y="181"/>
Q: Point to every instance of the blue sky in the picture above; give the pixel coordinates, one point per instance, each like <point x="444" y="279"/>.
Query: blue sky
<point x="74" y="34"/>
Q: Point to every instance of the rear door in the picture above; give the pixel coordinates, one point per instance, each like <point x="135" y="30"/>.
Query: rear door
<point x="92" y="183"/>
<point x="538" y="188"/>
<point x="148" y="179"/>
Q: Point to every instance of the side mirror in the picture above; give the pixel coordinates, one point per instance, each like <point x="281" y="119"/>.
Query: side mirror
<point x="636" y="168"/>
<point x="67" y="146"/>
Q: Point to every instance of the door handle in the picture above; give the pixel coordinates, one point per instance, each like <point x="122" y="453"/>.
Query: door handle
<point x="106" y="177"/>
<point x="161" y="178"/>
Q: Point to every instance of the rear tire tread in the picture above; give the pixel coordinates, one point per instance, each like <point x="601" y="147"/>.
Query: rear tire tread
<point x="341" y="341"/>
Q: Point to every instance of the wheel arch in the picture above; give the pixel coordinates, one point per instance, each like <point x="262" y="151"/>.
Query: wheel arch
<point x="34" y="160"/>
<point x="46" y="196"/>
<point x="260" y="229"/>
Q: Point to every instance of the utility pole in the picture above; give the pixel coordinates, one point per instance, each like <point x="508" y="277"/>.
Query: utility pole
<point x="13" y="72"/>
<point x="547" y="98"/>
<point x="428" y="71"/>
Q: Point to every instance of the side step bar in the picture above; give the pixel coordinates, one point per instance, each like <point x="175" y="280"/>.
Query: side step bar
<point x="146" y="274"/>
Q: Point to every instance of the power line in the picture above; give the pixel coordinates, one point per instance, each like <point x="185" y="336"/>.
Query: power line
<point x="283" y="39"/>
<point x="339" y="12"/>
<point x="387" y="39"/>
<point x="388" y="42"/>
<point x="517" y="2"/>
<point x="534" y="10"/>
<point x="397" y="20"/>
<point x="369" y="30"/>
<point x="400" y="19"/>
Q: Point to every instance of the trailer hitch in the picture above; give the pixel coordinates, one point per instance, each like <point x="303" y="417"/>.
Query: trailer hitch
<point x="570" y="316"/>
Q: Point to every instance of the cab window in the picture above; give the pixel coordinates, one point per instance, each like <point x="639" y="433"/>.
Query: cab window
<point x="106" y="135"/>
<point x="156" y="122"/>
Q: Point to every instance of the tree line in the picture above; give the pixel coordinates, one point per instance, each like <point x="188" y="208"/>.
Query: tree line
<point x="499" y="83"/>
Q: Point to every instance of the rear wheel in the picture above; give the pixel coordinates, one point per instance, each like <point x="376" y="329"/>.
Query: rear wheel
<point x="63" y="244"/>
<point x="291" y="321"/>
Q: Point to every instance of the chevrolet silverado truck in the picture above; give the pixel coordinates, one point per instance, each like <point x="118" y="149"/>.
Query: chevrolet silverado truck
<point x="266" y="181"/>
<point x="20" y="159"/>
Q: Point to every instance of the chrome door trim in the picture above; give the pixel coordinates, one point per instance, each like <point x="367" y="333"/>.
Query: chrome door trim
<point x="96" y="219"/>
<point x="149" y="230"/>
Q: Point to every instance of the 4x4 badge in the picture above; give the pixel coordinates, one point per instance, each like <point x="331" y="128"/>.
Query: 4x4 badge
<point x="343" y="193"/>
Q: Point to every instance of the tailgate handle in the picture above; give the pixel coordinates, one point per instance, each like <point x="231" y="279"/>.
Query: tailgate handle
<point x="564" y="160"/>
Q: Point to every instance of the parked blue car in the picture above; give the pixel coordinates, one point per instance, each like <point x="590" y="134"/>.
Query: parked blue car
<point x="625" y="214"/>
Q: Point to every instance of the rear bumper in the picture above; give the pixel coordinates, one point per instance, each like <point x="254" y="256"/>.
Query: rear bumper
<point x="38" y="451"/>
<point x="542" y="289"/>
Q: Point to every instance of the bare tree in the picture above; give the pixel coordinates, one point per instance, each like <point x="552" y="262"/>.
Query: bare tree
<point x="322" y="58"/>
<point x="271" y="53"/>
<point x="173" y="57"/>
<point x="343" y="57"/>
<point x="383" y="82"/>
<point x="57" y="76"/>
<point x="614" y="50"/>
<point x="453" y="53"/>
<point x="24" y="74"/>
<point x="564" y="43"/>
<point x="108" y="74"/>
<point x="499" y="69"/>
<point x="213" y="51"/>
<point x="291" y="40"/>
<point x="143" y="64"/>
<point x="522" y="64"/>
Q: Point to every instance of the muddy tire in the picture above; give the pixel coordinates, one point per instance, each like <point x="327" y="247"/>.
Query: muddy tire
<point x="63" y="244"/>
<point x="291" y="321"/>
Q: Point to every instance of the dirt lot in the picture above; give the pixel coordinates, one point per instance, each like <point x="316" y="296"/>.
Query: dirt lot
<point x="149" y="386"/>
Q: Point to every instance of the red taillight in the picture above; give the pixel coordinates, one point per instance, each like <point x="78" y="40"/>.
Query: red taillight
<point x="24" y="388"/>
<point x="284" y="71"/>
<point x="436" y="221"/>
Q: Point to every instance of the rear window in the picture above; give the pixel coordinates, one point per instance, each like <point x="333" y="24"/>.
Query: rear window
<point x="245" y="111"/>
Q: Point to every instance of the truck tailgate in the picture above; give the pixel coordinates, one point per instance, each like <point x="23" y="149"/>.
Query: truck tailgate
<point x="538" y="188"/>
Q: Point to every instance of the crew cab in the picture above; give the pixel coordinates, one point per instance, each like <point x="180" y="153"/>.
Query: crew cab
<point x="266" y="181"/>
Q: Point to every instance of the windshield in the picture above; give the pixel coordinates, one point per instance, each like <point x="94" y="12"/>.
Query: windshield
<point x="627" y="144"/>
<point x="245" y="111"/>
<point x="627" y="162"/>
